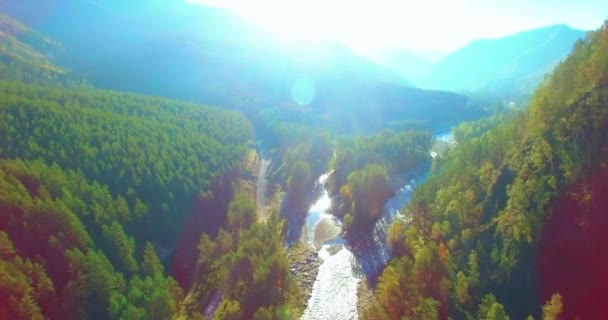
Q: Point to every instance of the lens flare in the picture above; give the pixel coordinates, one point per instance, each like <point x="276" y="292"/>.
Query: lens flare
<point x="303" y="91"/>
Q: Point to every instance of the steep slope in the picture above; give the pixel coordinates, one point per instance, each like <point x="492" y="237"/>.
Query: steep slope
<point x="132" y="33"/>
<point x="136" y="145"/>
<point x="58" y="262"/>
<point x="577" y="232"/>
<point x="27" y="55"/>
<point x="511" y="65"/>
<point x="207" y="55"/>
<point x="95" y="189"/>
<point x="496" y="201"/>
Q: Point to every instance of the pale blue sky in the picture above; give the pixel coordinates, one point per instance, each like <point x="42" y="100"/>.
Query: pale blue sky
<point x="420" y="26"/>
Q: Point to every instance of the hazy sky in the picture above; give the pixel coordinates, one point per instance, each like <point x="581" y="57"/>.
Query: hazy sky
<point x="420" y="26"/>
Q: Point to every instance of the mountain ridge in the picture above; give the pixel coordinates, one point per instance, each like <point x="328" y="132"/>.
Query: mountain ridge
<point x="475" y="66"/>
<point x="509" y="66"/>
<point x="227" y="63"/>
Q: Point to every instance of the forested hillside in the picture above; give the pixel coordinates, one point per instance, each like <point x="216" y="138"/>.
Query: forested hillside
<point x="100" y="183"/>
<point x="361" y="170"/>
<point x="65" y="254"/>
<point x="27" y="55"/>
<point x="246" y="267"/>
<point x="470" y="249"/>
<point x="161" y="152"/>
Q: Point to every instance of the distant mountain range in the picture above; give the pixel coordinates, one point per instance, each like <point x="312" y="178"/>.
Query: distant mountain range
<point x="407" y="64"/>
<point x="191" y="52"/>
<point x="508" y="66"/>
<point x="193" y="38"/>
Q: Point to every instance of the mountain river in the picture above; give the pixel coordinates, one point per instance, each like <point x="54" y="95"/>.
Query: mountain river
<point x="334" y="292"/>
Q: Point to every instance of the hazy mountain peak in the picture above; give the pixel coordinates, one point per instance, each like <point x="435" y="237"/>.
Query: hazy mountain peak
<point x="486" y="62"/>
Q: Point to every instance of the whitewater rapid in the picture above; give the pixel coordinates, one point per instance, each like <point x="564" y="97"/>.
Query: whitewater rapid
<point x="334" y="293"/>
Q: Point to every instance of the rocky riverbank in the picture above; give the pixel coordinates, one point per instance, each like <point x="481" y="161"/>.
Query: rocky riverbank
<point x="304" y="264"/>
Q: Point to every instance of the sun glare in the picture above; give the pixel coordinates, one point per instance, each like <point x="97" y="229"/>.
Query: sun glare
<point x="306" y="22"/>
<point x="364" y="26"/>
<point x="369" y="26"/>
<point x="296" y="22"/>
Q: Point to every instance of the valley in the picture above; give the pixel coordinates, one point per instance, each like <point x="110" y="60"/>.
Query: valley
<point x="204" y="168"/>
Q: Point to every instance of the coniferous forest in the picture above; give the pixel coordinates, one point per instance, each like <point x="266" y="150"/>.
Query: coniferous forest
<point x="185" y="189"/>
<point x="91" y="181"/>
<point x="487" y="226"/>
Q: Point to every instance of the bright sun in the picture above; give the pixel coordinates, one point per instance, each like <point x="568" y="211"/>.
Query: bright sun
<point x="369" y="26"/>
<point x="361" y="25"/>
<point x="296" y="22"/>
